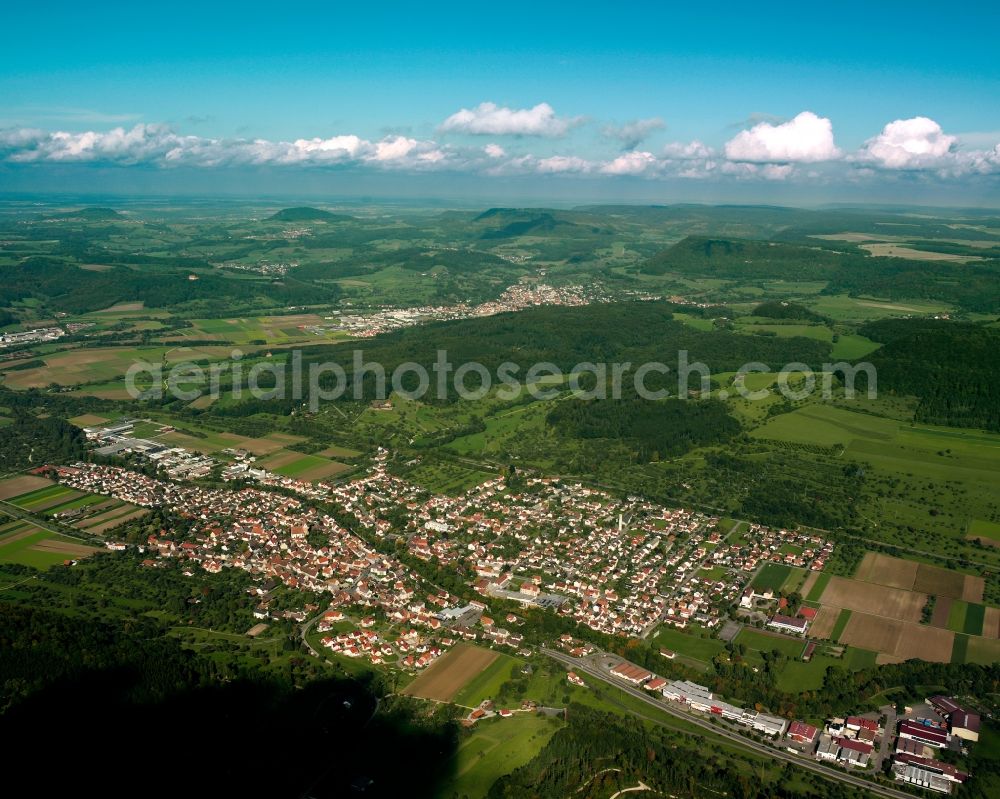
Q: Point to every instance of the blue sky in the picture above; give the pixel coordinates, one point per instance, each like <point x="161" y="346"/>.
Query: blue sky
<point x="204" y="80"/>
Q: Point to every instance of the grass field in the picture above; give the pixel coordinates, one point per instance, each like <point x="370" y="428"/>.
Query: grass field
<point x="444" y="477"/>
<point x="759" y="641"/>
<point x="840" y="624"/>
<point x="798" y="676"/>
<point x="989" y="532"/>
<point x="773" y="576"/>
<point x="486" y="684"/>
<point x="496" y="747"/>
<point x="688" y="645"/>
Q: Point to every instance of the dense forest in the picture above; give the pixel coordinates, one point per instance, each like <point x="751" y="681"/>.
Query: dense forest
<point x="638" y="332"/>
<point x="33" y="441"/>
<point x="952" y="367"/>
<point x="655" y="429"/>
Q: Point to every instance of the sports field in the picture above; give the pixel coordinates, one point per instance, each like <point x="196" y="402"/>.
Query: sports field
<point x="446" y="676"/>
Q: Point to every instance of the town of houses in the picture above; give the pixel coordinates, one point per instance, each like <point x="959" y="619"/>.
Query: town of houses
<point x="619" y="566"/>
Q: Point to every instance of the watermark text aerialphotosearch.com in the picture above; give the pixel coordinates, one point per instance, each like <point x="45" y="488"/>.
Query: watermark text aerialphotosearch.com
<point x="314" y="383"/>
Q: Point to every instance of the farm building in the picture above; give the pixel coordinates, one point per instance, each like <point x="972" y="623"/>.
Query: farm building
<point x="965" y="725"/>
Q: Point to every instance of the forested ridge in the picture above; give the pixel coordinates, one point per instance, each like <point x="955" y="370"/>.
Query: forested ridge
<point x="974" y="286"/>
<point x="70" y="288"/>
<point x="952" y="367"/>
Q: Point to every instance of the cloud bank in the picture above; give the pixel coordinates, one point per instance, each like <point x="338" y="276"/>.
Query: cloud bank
<point x="800" y="148"/>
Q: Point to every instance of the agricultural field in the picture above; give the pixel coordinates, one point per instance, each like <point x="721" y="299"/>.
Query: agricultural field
<point x="302" y="467"/>
<point x="881" y="607"/>
<point x="29" y="545"/>
<point x="103" y="365"/>
<point x="447" y="675"/>
<point x="274" y="330"/>
<point x="928" y="487"/>
<point x="21" y="485"/>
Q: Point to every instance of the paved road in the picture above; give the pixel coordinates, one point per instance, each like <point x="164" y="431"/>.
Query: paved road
<point x="884" y="751"/>
<point x="585" y="666"/>
<point x="691" y="574"/>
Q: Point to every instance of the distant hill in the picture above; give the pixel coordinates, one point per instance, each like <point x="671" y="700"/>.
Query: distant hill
<point x="90" y="214"/>
<point x="502" y="223"/>
<point x="306" y="213"/>
<point x="736" y="258"/>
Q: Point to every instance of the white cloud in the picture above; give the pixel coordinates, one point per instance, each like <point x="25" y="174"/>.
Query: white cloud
<point x="489" y="119"/>
<point x="632" y="163"/>
<point x="633" y="133"/>
<point x="687" y="151"/>
<point x="495" y="151"/>
<point x="916" y="143"/>
<point x="562" y="163"/>
<point x="806" y="138"/>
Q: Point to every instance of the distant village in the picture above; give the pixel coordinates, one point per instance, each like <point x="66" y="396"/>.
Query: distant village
<point x="514" y="298"/>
